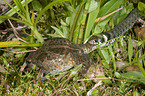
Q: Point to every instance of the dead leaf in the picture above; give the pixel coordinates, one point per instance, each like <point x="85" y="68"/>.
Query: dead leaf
<point x="140" y="32"/>
<point x="132" y="68"/>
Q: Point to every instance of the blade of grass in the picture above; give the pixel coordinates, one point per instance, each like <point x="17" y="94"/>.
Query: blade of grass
<point x="113" y="57"/>
<point x="20" y="6"/>
<point x="8" y="17"/>
<point x="18" y="44"/>
<point x="141" y="68"/>
<point x="130" y="49"/>
<point x="27" y="14"/>
<point x="75" y="21"/>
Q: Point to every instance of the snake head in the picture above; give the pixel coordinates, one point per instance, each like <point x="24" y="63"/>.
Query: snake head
<point x="95" y="40"/>
<point x="92" y="44"/>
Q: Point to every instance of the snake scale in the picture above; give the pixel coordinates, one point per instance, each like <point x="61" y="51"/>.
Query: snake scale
<point x="58" y="54"/>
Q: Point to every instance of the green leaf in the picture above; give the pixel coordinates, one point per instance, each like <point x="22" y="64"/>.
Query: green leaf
<point x="105" y="79"/>
<point x="65" y="28"/>
<point x="104" y="53"/>
<point x="66" y="32"/>
<point x="70" y="8"/>
<point x="58" y="31"/>
<point x="54" y="35"/>
<point x="100" y="26"/>
<point x="93" y="6"/>
<point x="141" y="6"/>
<point x="133" y="75"/>
<point x="36" y="5"/>
<point x="135" y="93"/>
<point x="37" y="35"/>
<point x="117" y="75"/>
<point x="63" y="23"/>
<point x="109" y="7"/>
<point x="94" y="93"/>
<point x="91" y="19"/>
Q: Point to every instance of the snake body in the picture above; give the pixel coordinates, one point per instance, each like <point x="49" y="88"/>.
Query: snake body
<point x="59" y="54"/>
<point x="119" y="29"/>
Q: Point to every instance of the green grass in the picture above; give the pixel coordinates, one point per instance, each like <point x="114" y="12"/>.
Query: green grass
<point x="67" y="21"/>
